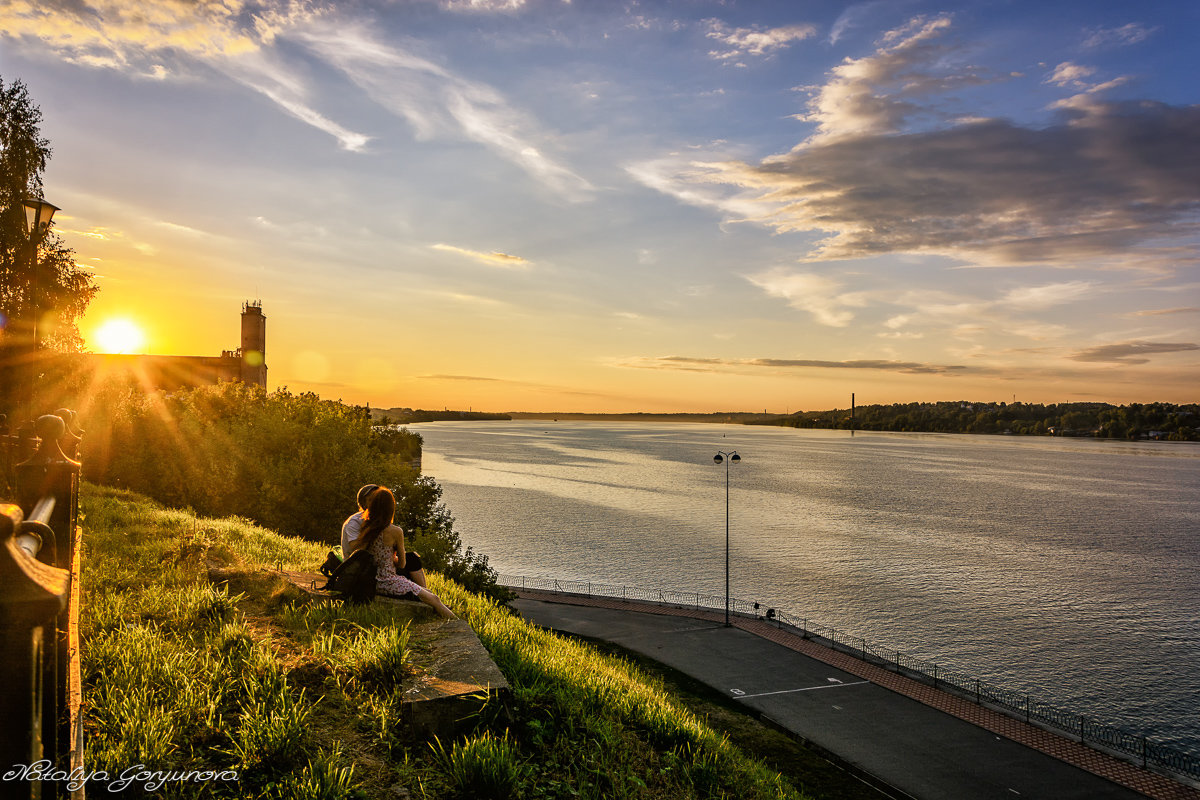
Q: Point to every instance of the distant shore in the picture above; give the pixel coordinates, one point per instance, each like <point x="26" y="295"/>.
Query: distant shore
<point x="1136" y="421"/>
<point x="739" y="417"/>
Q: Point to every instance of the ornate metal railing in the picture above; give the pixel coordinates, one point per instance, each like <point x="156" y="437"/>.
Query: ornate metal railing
<point x="40" y="689"/>
<point x="1101" y="735"/>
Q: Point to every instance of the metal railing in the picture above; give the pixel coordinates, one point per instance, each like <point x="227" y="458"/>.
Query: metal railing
<point x="40" y="687"/>
<point x="1109" y="738"/>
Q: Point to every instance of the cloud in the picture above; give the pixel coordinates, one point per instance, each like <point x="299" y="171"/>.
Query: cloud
<point x="1029" y="298"/>
<point x="1103" y="184"/>
<point x="493" y="259"/>
<point x="232" y="37"/>
<point x="759" y="41"/>
<point x="484" y="6"/>
<point x="263" y="73"/>
<point x="116" y="33"/>
<point x="1071" y="75"/>
<point x="850" y="18"/>
<point x="1068" y="73"/>
<point x="874" y="94"/>
<point x="1131" y="352"/>
<point x="817" y="294"/>
<point x="1130" y="33"/>
<point x="438" y="103"/>
<point x="1158" y="312"/>
<point x="687" y="364"/>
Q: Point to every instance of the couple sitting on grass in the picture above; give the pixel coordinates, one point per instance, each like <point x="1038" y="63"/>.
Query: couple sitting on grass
<point x="371" y="528"/>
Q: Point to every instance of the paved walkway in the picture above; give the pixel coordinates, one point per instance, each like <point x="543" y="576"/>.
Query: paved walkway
<point x="918" y="741"/>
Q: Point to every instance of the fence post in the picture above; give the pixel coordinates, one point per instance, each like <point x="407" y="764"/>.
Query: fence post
<point x="50" y="474"/>
<point x="32" y="595"/>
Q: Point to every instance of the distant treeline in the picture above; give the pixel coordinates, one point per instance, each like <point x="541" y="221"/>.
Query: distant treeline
<point x="641" y="416"/>
<point x="1103" y="420"/>
<point x="405" y="416"/>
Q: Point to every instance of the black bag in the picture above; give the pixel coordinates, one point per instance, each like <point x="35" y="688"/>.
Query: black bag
<point x="332" y="562"/>
<point x="354" y="579"/>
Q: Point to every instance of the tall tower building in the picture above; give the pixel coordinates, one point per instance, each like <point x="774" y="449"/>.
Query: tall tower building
<point x="254" y="344"/>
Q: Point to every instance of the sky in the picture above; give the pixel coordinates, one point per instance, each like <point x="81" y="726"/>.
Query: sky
<point x="611" y="206"/>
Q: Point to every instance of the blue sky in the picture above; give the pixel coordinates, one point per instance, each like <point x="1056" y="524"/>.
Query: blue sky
<point x="638" y="206"/>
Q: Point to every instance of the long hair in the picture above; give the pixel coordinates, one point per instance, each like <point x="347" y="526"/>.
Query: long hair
<point x="380" y="511"/>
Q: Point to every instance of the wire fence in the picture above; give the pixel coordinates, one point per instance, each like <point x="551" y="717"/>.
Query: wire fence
<point x="1014" y="703"/>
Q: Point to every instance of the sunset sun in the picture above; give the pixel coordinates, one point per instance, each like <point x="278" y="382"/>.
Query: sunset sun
<point x="119" y="336"/>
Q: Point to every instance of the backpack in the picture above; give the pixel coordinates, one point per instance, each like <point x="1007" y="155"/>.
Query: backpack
<point x="353" y="579"/>
<point x="332" y="562"/>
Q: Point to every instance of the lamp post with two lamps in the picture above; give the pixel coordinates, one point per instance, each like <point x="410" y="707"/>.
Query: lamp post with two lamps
<point x="730" y="457"/>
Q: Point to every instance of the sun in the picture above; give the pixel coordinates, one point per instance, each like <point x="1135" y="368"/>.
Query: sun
<point x="120" y="336"/>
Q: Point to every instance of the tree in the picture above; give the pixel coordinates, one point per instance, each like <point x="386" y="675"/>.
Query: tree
<point x="59" y="291"/>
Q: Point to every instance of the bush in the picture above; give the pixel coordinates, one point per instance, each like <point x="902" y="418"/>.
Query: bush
<point x="289" y="462"/>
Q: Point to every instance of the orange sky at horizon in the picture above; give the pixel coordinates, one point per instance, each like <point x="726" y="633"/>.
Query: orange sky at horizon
<point x="654" y="207"/>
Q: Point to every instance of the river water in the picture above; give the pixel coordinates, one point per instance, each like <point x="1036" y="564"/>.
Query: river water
<point x="1067" y="568"/>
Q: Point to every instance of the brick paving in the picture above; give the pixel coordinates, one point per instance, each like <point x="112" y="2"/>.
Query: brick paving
<point x="1117" y="770"/>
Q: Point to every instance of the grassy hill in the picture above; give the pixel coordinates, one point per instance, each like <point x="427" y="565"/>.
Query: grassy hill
<point x="301" y="700"/>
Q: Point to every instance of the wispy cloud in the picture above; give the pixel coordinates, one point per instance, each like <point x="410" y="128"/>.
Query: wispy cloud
<point x="1161" y="312"/>
<point x="1131" y="352"/>
<point x="235" y="38"/>
<point x="266" y="74"/>
<point x="1130" y="33"/>
<point x="759" y="41"/>
<point x="1029" y="298"/>
<point x="850" y="18"/>
<point x="484" y="6"/>
<point x="493" y="259"/>
<point x="1067" y="73"/>
<point x="1112" y="184"/>
<point x="821" y="296"/>
<point x="689" y="364"/>
<point x="438" y="103"/>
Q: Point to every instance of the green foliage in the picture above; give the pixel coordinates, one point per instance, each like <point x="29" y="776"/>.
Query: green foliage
<point x="293" y="463"/>
<point x="290" y="462"/>
<point x="1135" y="421"/>
<point x="60" y="292"/>
<point x="482" y="766"/>
<point x="174" y="676"/>
<point x="365" y="645"/>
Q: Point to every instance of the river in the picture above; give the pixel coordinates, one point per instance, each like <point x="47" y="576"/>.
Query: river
<point x="1067" y="568"/>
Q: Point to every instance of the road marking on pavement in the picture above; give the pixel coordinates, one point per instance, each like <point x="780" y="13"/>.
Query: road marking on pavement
<point x="740" y="695"/>
<point x="696" y="628"/>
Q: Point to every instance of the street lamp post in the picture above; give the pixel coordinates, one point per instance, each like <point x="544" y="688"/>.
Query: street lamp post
<point x="38" y="214"/>
<point x="727" y="458"/>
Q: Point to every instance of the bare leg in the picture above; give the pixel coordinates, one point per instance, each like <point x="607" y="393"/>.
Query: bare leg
<point x="430" y="599"/>
<point x="417" y="576"/>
